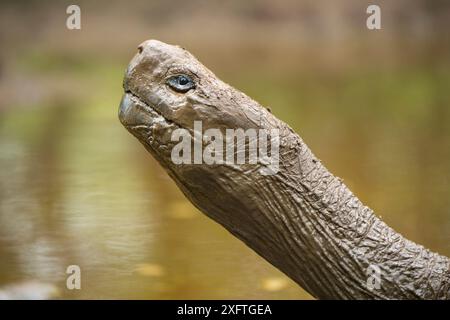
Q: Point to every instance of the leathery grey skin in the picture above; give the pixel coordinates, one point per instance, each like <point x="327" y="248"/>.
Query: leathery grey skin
<point x="303" y="220"/>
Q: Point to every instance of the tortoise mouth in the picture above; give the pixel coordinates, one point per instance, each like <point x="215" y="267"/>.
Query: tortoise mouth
<point x="147" y="124"/>
<point x="133" y="111"/>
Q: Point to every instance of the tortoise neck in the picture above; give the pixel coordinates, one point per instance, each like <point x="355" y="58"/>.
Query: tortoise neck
<point x="318" y="232"/>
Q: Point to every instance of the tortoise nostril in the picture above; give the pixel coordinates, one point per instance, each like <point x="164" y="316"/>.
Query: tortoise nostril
<point x="140" y="48"/>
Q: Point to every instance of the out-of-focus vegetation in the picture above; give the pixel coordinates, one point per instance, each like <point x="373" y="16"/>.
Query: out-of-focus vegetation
<point x="76" y="188"/>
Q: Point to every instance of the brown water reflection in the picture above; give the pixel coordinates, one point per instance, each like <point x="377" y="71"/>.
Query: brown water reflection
<point x="76" y="188"/>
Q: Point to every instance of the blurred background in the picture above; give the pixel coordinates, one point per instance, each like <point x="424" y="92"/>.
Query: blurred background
<point x="77" y="188"/>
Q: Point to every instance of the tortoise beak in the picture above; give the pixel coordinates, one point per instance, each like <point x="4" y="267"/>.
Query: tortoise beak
<point x="125" y="110"/>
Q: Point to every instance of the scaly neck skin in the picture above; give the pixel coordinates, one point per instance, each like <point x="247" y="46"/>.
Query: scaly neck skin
<point x="334" y="242"/>
<point x="308" y="224"/>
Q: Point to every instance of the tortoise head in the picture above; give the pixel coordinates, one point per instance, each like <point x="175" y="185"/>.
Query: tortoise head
<point x="167" y="90"/>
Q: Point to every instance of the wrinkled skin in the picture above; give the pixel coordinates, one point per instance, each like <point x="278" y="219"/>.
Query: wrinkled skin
<point x="303" y="220"/>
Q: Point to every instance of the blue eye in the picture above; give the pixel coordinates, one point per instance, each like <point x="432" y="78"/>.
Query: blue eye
<point x="181" y="83"/>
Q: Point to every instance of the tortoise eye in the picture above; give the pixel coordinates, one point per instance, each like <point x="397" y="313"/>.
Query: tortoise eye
<point x="181" y="83"/>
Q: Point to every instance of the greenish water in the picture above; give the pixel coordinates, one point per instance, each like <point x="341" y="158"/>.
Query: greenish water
<point x="76" y="188"/>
